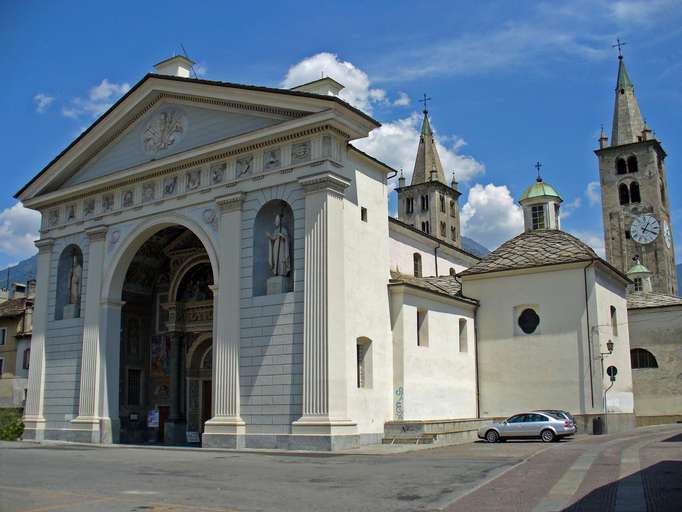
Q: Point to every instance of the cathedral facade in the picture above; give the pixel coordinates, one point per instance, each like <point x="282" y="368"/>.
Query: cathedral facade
<point x="217" y="265"/>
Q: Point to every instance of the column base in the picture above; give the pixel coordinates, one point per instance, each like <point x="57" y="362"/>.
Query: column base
<point x="85" y="429"/>
<point x="224" y="432"/>
<point x="34" y="428"/>
<point x="110" y="429"/>
<point x="175" y="431"/>
<point x="323" y="433"/>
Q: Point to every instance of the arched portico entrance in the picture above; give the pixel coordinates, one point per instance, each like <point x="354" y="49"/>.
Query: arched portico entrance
<point x="166" y="321"/>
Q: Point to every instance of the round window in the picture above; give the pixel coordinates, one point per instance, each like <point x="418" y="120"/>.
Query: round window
<point x="529" y="320"/>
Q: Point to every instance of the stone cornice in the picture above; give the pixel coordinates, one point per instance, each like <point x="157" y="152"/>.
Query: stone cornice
<point x="324" y="181"/>
<point x="230" y="202"/>
<point x="97" y="233"/>
<point x="44" y="244"/>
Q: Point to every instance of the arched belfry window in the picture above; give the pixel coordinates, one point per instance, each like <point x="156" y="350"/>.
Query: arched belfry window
<point x="632" y="164"/>
<point x="621" y="166"/>
<point x="623" y="194"/>
<point x="634" y="193"/>
<point x="417" y="259"/>
<point x="641" y="358"/>
<point x="69" y="283"/>
<point x="273" y="249"/>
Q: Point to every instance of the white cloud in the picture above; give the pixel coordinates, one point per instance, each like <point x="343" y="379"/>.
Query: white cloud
<point x="43" y="102"/>
<point x="641" y="11"/>
<point x="358" y="91"/>
<point x="99" y="99"/>
<point x="593" y="239"/>
<point x="490" y="215"/>
<point x="402" y="100"/>
<point x="200" y="69"/>
<point x="18" y="229"/>
<point x="567" y="209"/>
<point x="593" y="193"/>
<point x="396" y="144"/>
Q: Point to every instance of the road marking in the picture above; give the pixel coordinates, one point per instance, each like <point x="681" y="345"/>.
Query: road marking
<point x="559" y="496"/>
<point x="630" y="494"/>
<point x="140" y="493"/>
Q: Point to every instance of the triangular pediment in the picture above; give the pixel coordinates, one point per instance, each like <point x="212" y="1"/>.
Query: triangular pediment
<point x="167" y="129"/>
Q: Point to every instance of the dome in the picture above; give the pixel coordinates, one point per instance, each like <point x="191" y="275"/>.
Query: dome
<point x="540" y="189"/>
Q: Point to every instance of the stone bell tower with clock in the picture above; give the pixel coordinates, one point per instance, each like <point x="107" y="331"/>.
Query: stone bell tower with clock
<point x="634" y="191"/>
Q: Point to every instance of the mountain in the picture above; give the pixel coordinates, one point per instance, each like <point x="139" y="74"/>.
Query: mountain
<point x="472" y="246"/>
<point x="21" y="272"/>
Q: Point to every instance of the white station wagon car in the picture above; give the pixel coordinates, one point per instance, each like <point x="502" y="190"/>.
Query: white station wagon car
<point x="540" y="425"/>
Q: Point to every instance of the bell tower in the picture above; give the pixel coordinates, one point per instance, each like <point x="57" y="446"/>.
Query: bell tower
<point x="634" y="191"/>
<point x="429" y="203"/>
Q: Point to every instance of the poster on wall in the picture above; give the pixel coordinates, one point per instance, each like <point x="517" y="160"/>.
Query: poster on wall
<point x="153" y="418"/>
<point x="193" y="437"/>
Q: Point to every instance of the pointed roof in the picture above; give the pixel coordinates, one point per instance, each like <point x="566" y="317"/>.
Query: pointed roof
<point x="627" y="119"/>
<point x="427" y="156"/>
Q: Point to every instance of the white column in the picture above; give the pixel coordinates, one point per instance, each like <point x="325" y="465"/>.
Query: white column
<point x="34" y="422"/>
<point x="325" y="348"/>
<point x="88" y="407"/>
<point x="109" y="364"/>
<point x="226" y="428"/>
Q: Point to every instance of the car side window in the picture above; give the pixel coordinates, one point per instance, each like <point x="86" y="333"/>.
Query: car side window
<point x="516" y="419"/>
<point x="530" y="418"/>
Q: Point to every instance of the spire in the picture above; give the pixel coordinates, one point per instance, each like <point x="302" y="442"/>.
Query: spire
<point x="627" y="120"/>
<point x="427" y="159"/>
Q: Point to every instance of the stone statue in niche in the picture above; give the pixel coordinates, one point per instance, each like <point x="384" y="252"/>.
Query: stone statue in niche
<point x="300" y="152"/>
<point x="218" y="172"/>
<point x="278" y="257"/>
<point x="164" y="130"/>
<point x="75" y="281"/>
<point x="107" y="202"/>
<point x="169" y="185"/>
<point x="244" y="166"/>
<point x="70" y="212"/>
<point x="272" y="159"/>
<point x="88" y="207"/>
<point x="127" y="198"/>
<point x="193" y="178"/>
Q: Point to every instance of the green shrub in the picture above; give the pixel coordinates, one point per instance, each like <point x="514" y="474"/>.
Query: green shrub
<point x="11" y="426"/>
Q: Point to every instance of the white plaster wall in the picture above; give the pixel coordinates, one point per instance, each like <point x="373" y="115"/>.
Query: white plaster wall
<point x="366" y="256"/>
<point x="403" y="247"/>
<point x="611" y="292"/>
<point x="547" y="369"/>
<point x="435" y="381"/>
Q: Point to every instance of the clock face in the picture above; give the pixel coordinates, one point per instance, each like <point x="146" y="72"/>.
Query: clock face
<point x="644" y="229"/>
<point x="667" y="236"/>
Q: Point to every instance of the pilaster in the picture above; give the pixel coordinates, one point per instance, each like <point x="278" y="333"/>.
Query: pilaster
<point x="109" y="364"/>
<point x="226" y="428"/>
<point x="34" y="422"/>
<point x="325" y="357"/>
<point x="88" y="407"/>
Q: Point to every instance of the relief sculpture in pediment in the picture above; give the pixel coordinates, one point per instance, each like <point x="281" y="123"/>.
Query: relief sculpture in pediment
<point x="163" y="130"/>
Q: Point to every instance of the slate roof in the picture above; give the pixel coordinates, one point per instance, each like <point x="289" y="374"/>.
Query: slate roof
<point x="442" y="285"/>
<point x="13" y="307"/>
<point x="537" y="248"/>
<point x="641" y="300"/>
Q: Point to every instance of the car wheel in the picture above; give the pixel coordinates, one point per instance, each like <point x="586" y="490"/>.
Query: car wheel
<point x="492" y="436"/>
<point x="547" y="436"/>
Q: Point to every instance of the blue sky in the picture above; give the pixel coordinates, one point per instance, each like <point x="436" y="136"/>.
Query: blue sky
<point x="511" y="84"/>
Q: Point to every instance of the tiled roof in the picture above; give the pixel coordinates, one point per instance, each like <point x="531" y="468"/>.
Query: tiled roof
<point x="535" y="248"/>
<point x="641" y="300"/>
<point x="12" y="307"/>
<point x="442" y="285"/>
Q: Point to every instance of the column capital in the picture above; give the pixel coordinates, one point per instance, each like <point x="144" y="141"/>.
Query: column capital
<point x="324" y="181"/>
<point x="97" y="233"/>
<point x="114" y="303"/>
<point x="230" y="202"/>
<point x="44" y="245"/>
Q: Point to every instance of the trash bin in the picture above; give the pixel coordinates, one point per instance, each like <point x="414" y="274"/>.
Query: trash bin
<point x="598" y="426"/>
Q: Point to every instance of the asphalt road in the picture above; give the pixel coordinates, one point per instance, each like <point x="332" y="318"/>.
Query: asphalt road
<point x="585" y="473"/>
